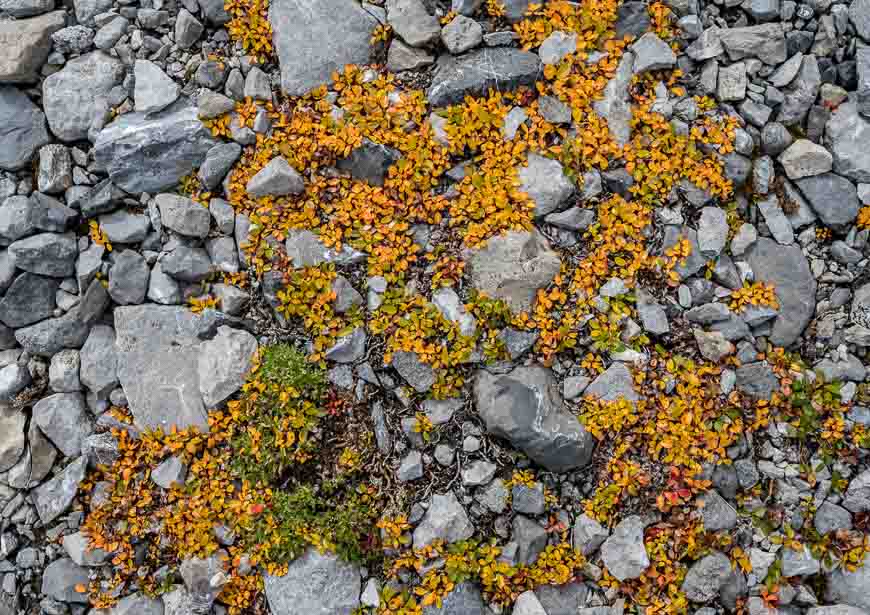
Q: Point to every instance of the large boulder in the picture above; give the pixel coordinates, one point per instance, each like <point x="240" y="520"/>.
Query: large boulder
<point x="22" y="129"/>
<point x="475" y="73"/>
<point x="152" y="153"/>
<point x="26" y="44"/>
<point x="846" y="135"/>
<point x="75" y="97"/>
<point x="313" y="39"/>
<point x="513" y="267"/>
<point x="315" y="584"/>
<point x="525" y="407"/>
<point x="787" y="269"/>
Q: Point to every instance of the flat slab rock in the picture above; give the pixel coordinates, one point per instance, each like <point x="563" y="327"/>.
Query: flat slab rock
<point x="315" y="584"/>
<point x="479" y="71"/>
<point x="313" y="38"/>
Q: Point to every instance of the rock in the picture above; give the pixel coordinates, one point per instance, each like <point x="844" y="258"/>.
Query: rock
<point x="445" y="519"/>
<point x="804" y="158"/>
<point x="304" y="249"/>
<point x="187" y="264"/>
<point x="62" y="576"/>
<point x="716" y="513"/>
<point x="787" y="269"/>
<point x="615" y="106"/>
<point x="588" y="535"/>
<point x="416" y="373"/>
<point x="652" y="53"/>
<point x="712" y="345"/>
<point x="477" y="72"/>
<point x="128" y="278"/>
<point x="832" y="197"/>
<point x="99" y="362"/>
<point x="765" y="42"/>
<point x="706" y="577"/>
<point x="54" y="334"/>
<point x="369" y="162"/>
<point x="612" y="384"/>
<point x="26" y="45"/>
<point x="707" y="46"/>
<point x="859" y="15"/>
<point x="480" y="472"/>
<point x="25" y="8"/>
<point x="567" y="599"/>
<point x="63" y="417"/>
<point x="138" y="604"/>
<point x="801" y="93"/>
<point x="313" y="39"/>
<point x="316" y="584"/>
<point x="632" y="18"/>
<point x="528" y="604"/>
<point x="211" y="104"/>
<point x="572" y="219"/>
<point x="525" y="407"/>
<point x="154" y="89"/>
<point x="29" y="299"/>
<point x="546" y="184"/>
<point x="623" y="553"/>
<point x="75" y="97"/>
<point x="24" y="129"/>
<point x="412" y="22"/>
<point x="461" y="34"/>
<point x="223" y="364"/>
<point x="124" y="227"/>
<point x="152" y="153"/>
<point x="402" y="57"/>
<point x="557" y="46"/>
<point x="49" y="254"/>
<point x="452" y="308"/>
<point x="183" y="215"/>
<point x="846" y="135"/>
<point x="12" y="442"/>
<point x="277" y="178"/>
<point x="829" y="518"/>
<point x="411" y="467"/>
<point x="512" y="267"/>
<point x="777" y="222"/>
<point x="858" y="495"/>
<point x="712" y="231"/>
<point x="188" y="29"/>
<point x="78" y="548"/>
<point x="169" y="472"/>
<point x="13" y="379"/>
<point x="464" y="599"/>
<point x="850" y="587"/>
<point x="798" y="562"/>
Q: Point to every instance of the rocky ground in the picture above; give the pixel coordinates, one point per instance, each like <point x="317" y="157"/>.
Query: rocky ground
<point x="320" y="307"/>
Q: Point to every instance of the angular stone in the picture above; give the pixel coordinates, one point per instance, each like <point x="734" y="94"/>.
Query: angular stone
<point x="29" y="299"/>
<point x="54" y="334"/>
<point x="183" y="215"/>
<point x="187" y="264"/>
<point x="798" y="562"/>
<point x="412" y="22"/>
<point x="445" y="519"/>
<point x="277" y="178"/>
<point x="62" y="576"/>
<point x="223" y="364"/>
<point x="832" y="197"/>
<point x="525" y="407"/>
<point x="370" y="162"/>
<point x="128" y="278"/>
<point x="512" y="267"/>
<point x="652" y="53"/>
<point x="26" y="45"/>
<point x="716" y="513"/>
<point x="613" y="384"/>
<point x="477" y="72"/>
<point x="416" y="373"/>
<point x="544" y="180"/>
<point x="154" y="89"/>
<point x="765" y="42"/>
<point x="801" y="92"/>
<point x="804" y="158"/>
<point x="78" y="548"/>
<point x="615" y="106"/>
<point x="150" y="154"/>
<point x="706" y="577"/>
<point x="315" y="584"/>
<point x="464" y="599"/>
<point x="314" y="39"/>
<point x="64" y="418"/>
<point x="12" y="442"/>
<point x="623" y="553"/>
<point x="850" y="587"/>
<point x="122" y="226"/>
<point x="99" y="362"/>
<point x="49" y="254"/>
<point x="846" y="136"/>
<point x="557" y="46"/>
<point x="24" y="129"/>
<point x="777" y="222"/>
<point x="305" y="249"/>
<point x="588" y="535"/>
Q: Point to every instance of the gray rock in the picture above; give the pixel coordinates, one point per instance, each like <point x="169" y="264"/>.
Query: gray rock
<point x="859" y="15"/>
<point x="25" y="8"/>
<point x="187" y="264"/>
<point x="138" y="604"/>
<point x="107" y="36"/>
<point x="777" y="222"/>
<point x="546" y="184"/>
<point x="223" y="364"/>
<point x="99" y="362"/>
<point x="712" y="345"/>
<point x="304" y="249"/>
<point x="798" y="562"/>
<point x="411" y="467"/>
<point x="416" y="373"/>
<point x="464" y="599"/>
<point x="26" y="45"/>
<point x="257" y="85"/>
<point x="528" y="604"/>
<point x="451" y="307"/>
<point x="188" y="29"/>
<point x="63" y="417"/>
<point x="652" y="53"/>
<point x="613" y="383"/>
<point x="707" y="46"/>
<point x="706" y="577"/>
<point x="102" y="198"/>
<point x="277" y="178"/>
<point x="183" y="215"/>
<point x="61" y="577"/>
<point x="29" y="299"/>
<point x="77" y="96"/>
<point x="525" y="407"/>
<point x="412" y="22"/>
<point x="712" y="231"/>
<point x="50" y="254"/>
<point x="716" y="513"/>
<point x="162" y="288"/>
<point x="445" y="519"/>
<point x="54" y="334"/>
<point x="122" y="226"/>
<point x="313" y="39"/>
<point x="850" y="587"/>
<point x="567" y="599"/>
<point x="623" y="553"/>
<point x="512" y="267"/>
<point x="615" y="105"/>
<point x="87" y="10"/>
<point x="557" y="46"/>
<point x="858" y="495"/>
<point x="832" y="197"/>
<point x="803" y="158"/>
<point x="402" y="57"/>
<point x="154" y="89"/>
<point x="24" y="130"/>
<point x="830" y="517"/>
<point x="846" y="135"/>
<point x="787" y="269"/>
<point x="369" y="162"/>
<point x="63" y="372"/>
<point x="223" y="254"/>
<point x="801" y="93"/>
<point x="211" y="104"/>
<point x="128" y="278"/>
<point x="13" y="379"/>
<point x="477" y="72"/>
<point x="632" y="18"/>
<point x="150" y="154"/>
<point x="480" y="472"/>
<point x="12" y="442"/>
<point x="171" y="471"/>
<point x="78" y="548"/>
<point x="588" y="535"/>
<point x="17" y="218"/>
<point x="461" y="34"/>
<point x="572" y="219"/>
<point x="652" y="315"/>
<point x="765" y="42"/>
